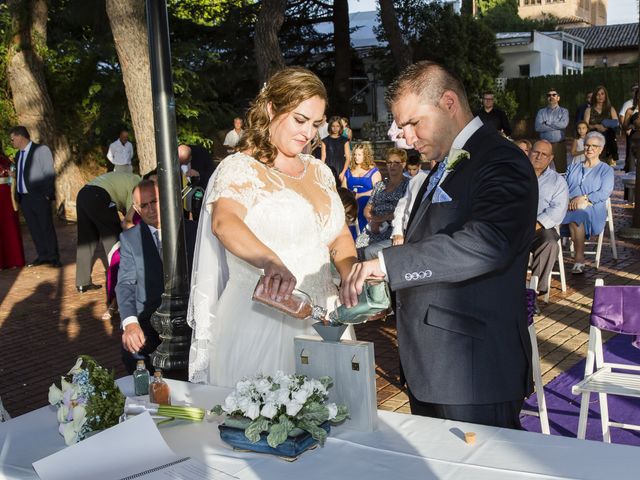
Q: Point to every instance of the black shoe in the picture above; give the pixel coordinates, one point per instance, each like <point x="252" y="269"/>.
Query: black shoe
<point x="36" y="263"/>
<point x="56" y="264"/>
<point x="86" y="288"/>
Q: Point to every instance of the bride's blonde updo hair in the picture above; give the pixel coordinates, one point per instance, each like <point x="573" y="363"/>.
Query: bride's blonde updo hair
<point x="285" y="90"/>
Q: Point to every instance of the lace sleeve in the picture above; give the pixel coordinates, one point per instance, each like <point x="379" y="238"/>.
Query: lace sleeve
<point x="324" y="174"/>
<point x="236" y="178"/>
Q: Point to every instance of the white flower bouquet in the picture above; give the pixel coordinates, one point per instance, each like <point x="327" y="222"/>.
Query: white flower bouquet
<point x="281" y="404"/>
<point x="89" y="400"/>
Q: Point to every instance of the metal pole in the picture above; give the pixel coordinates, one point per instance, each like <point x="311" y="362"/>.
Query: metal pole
<point x="170" y="318"/>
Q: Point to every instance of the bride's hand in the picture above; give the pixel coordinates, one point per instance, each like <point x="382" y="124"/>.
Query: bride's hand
<point x="278" y="281"/>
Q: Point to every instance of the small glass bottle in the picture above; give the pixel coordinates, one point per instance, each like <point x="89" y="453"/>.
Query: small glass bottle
<point x="159" y="390"/>
<point x="298" y="305"/>
<point x="141" y="379"/>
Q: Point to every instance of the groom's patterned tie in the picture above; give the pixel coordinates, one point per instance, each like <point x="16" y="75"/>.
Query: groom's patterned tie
<point x="156" y="236"/>
<point x="435" y="179"/>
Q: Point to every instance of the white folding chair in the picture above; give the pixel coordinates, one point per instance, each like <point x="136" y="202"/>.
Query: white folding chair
<point x="560" y="271"/>
<point x="614" y="309"/>
<point x="535" y="363"/>
<point x="612" y="238"/>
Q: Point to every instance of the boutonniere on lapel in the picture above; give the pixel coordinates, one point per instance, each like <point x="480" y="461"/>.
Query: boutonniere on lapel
<point x="456" y="156"/>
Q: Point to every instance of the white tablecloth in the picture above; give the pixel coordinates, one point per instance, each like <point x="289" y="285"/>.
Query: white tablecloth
<point x="404" y="447"/>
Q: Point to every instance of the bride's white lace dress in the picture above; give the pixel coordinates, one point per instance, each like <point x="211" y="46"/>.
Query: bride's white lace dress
<point x="298" y="218"/>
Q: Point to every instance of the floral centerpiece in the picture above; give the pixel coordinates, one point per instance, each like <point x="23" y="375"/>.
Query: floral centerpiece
<point x="88" y="400"/>
<point x="281" y="406"/>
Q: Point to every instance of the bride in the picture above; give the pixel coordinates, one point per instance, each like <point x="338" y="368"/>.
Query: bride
<point x="269" y="209"/>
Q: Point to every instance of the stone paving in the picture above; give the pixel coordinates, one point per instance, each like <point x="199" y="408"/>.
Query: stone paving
<point x="45" y="323"/>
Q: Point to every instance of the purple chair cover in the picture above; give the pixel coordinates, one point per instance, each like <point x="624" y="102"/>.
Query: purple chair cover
<point x="112" y="276"/>
<point x="531" y="306"/>
<point x="617" y="309"/>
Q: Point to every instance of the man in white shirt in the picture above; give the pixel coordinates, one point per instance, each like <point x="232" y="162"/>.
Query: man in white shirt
<point x="405" y="204"/>
<point x="553" y="200"/>
<point x="121" y="152"/>
<point x="234" y="136"/>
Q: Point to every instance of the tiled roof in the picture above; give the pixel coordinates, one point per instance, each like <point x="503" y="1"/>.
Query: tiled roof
<point x="607" y="37"/>
<point x="571" y="19"/>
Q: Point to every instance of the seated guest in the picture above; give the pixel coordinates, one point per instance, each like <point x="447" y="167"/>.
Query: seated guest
<point x="590" y="185"/>
<point x="414" y="167"/>
<point x="553" y="199"/>
<point x="417" y="176"/>
<point x="360" y="178"/>
<point x="380" y="210"/>
<point x="350" y="204"/>
<point x="140" y="276"/>
<point x="525" y="145"/>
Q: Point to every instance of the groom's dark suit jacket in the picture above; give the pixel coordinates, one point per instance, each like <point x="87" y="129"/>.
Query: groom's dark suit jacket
<point x="460" y="280"/>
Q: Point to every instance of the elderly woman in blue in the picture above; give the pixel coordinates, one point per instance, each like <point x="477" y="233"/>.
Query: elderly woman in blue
<point x="590" y="185"/>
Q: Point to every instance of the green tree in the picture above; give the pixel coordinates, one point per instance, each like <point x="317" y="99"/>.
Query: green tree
<point x="502" y="16"/>
<point x="436" y="32"/>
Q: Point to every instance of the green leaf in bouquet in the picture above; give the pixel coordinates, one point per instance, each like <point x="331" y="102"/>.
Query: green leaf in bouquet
<point x="316" y="431"/>
<point x="255" y="428"/>
<point x="315" y="413"/>
<point x="217" y="410"/>
<point x="277" y="434"/>
<point x="343" y="412"/>
<point x="326" y="381"/>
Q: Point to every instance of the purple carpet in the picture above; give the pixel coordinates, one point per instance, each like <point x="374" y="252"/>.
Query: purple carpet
<point x="564" y="407"/>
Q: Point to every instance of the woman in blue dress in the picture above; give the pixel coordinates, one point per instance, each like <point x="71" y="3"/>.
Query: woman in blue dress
<point x="360" y="178"/>
<point x="590" y="185"/>
<point x="382" y="205"/>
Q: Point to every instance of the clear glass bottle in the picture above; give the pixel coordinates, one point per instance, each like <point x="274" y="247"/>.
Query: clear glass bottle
<point x="298" y="305"/>
<point x="141" y="379"/>
<point x="159" y="391"/>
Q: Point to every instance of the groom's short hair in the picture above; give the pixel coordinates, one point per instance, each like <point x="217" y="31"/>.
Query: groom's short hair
<point x="428" y="80"/>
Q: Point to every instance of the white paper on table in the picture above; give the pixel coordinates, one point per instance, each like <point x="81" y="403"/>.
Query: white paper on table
<point x="132" y="449"/>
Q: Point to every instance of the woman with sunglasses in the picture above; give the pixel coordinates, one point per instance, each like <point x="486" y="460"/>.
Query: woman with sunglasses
<point x="590" y="186"/>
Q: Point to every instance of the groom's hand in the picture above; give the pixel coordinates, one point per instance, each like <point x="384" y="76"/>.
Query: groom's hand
<point x="352" y="287"/>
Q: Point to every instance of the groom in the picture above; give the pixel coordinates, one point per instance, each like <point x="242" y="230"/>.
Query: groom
<point x="460" y="276"/>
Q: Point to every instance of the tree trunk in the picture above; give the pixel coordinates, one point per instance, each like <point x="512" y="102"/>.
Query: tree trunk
<point x="129" y="28"/>
<point x="268" y="54"/>
<point x="342" y="52"/>
<point x="25" y="72"/>
<point x="401" y="52"/>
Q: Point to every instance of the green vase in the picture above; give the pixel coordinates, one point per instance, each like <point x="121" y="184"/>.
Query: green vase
<point x="374" y="299"/>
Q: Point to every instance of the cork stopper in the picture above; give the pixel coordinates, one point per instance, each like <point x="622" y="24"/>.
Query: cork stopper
<point x="470" y="438"/>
